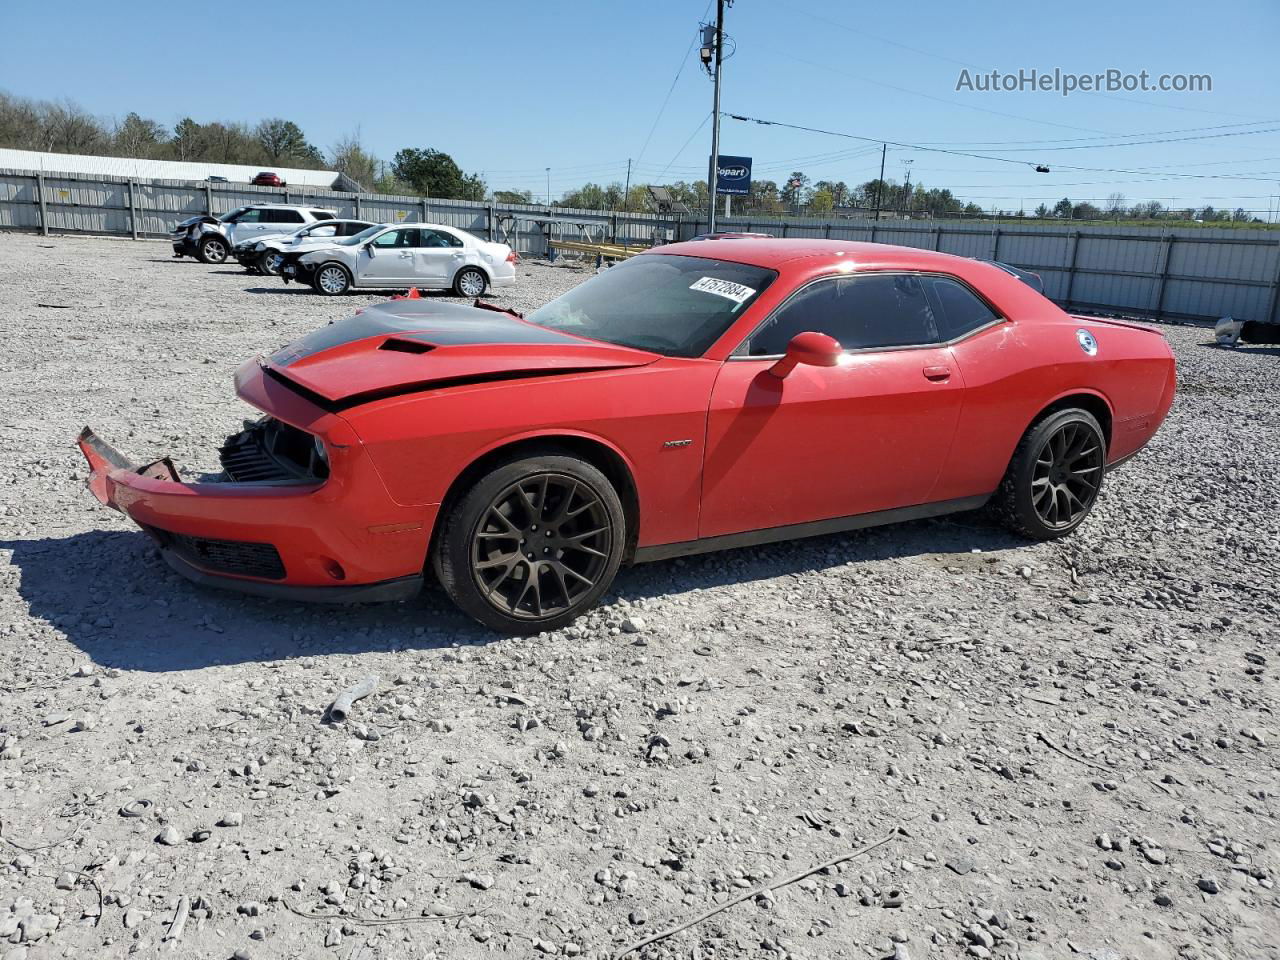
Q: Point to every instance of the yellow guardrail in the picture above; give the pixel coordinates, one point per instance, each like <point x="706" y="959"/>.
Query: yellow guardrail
<point x="609" y="251"/>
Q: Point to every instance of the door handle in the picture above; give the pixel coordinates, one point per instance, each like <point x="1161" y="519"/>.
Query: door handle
<point x="937" y="373"/>
<point x="406" y="256"/>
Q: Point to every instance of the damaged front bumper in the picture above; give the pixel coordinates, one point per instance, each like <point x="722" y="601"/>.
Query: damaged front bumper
<point x="333" y="538"/>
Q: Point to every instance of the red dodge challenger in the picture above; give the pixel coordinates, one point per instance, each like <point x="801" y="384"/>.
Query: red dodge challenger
<point x="695" y="397"/>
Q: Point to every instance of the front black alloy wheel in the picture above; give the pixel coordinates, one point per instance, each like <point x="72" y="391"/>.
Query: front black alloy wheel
<point x="533" y="544"/>
<point x="1054" y="477"/>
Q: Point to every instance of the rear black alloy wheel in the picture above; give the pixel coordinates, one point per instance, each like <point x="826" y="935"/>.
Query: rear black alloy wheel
<point x="1054" y="477"/>
<point x="533" y="545"/>
<point x="1066" y="476"/>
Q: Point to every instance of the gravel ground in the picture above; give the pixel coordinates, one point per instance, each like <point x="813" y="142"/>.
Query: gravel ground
<point x="1067" y="749"/>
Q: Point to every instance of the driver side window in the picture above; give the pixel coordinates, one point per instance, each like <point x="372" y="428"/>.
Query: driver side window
<point x="861" y="312"/>
<point x="404" y="237"/>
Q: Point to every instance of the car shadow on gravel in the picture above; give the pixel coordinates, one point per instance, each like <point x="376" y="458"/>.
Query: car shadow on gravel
<point x="967" y="535"/>
<point x="113" y="596"/>
<point x="117" y="600"/>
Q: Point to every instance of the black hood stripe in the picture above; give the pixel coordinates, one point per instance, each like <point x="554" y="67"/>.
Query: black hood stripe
<point x="423" y="386"/>
<point x="440" y="324"/>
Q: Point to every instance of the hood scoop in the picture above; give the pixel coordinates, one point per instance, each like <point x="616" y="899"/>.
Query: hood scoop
<point x="401" y="345"/>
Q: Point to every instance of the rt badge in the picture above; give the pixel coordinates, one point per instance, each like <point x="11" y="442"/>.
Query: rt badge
<point x="1087" y="342"/>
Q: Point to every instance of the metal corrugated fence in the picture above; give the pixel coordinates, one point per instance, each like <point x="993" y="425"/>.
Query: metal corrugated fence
<point x="1165" y="273"/>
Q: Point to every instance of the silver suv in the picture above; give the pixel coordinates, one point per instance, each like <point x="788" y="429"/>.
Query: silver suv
<point x="210" y="239"/>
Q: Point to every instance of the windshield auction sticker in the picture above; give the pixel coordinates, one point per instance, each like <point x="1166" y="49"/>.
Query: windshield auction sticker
<point x="723" y="288"/>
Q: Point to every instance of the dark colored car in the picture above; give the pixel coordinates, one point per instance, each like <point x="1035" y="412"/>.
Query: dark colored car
<point x="730" y="235"/>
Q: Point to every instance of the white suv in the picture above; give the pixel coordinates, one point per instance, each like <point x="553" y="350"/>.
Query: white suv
<point x="395" y="256"/>
<point x="210" y="239"/>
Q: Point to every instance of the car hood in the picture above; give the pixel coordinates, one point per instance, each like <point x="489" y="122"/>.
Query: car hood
<point x="328" y="245"/>
<point x="201" y="218"/>
<point x="412" y="346"/>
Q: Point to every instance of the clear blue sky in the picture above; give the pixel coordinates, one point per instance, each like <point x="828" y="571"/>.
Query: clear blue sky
<point x="510" y="88"/>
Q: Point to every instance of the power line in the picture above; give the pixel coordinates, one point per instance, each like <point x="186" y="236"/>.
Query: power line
<point x="929" y="96"/>
<point x="665" y="100"/>
<point x="1141" y="143"/>
<point x="697" y="130"/>
<point x="981" y="156"/>
<point x="1112" y="136"/>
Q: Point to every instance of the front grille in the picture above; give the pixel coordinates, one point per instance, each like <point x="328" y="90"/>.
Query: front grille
<point x="237" y="557"/>
<point x="272" y="452"/>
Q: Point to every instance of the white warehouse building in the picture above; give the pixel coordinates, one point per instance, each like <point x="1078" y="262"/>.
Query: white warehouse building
<point x="75" y="163"/>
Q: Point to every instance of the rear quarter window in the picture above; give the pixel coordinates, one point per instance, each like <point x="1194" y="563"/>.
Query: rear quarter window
<point x="281" y="216"/>
<point x="959" y="310"/>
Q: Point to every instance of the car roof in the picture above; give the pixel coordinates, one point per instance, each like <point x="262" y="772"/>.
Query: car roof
<point x="421" y="223"/>
<point x="775" y="251"/>
<point x="289" y="206"/>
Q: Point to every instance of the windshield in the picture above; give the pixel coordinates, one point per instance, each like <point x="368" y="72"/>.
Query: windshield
<point x="360" y="237"/>
<point x="672" y="305"/>
<point x="226" y="217"/>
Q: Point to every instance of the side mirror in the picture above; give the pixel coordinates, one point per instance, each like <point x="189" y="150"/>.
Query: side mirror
<point x="369" y="248"/>
<point x="814" y="349"/>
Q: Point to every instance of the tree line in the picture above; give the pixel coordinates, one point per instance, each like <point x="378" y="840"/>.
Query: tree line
<point x="65" y="127"/>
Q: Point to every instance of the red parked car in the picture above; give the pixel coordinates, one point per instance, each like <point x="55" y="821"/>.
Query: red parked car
<point x="695" y="397"/>
<point x="268" y="179"/>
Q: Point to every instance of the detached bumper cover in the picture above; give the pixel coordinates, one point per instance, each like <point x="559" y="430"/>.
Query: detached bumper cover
<point x="342" y="539"/>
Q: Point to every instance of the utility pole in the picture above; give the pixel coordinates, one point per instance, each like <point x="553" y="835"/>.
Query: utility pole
<point x="715" y="119"/>
<point x="548" y="186"/>
<point x="626" y="196"/>
<point x="907" y="187"/>
<point x="880" y="186"/>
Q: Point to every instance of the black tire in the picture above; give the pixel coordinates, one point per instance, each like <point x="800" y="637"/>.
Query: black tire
<point x="529" y="526"/>
<point x="473" y="279"/>
<point x="331" y="279"/>
<point x="1054" y="477"/>
<point x="268" y="262"/>
<point x="212" y="250"/>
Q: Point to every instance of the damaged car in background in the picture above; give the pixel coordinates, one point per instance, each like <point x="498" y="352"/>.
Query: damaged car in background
<point x="695" y="397"/>
<point x="210" y="239"/>
<point x="429" y="256"/>
<point x="265" y="255"/>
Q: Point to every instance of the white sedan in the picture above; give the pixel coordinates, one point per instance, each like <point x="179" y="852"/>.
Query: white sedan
<point x="385" y="257"/>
